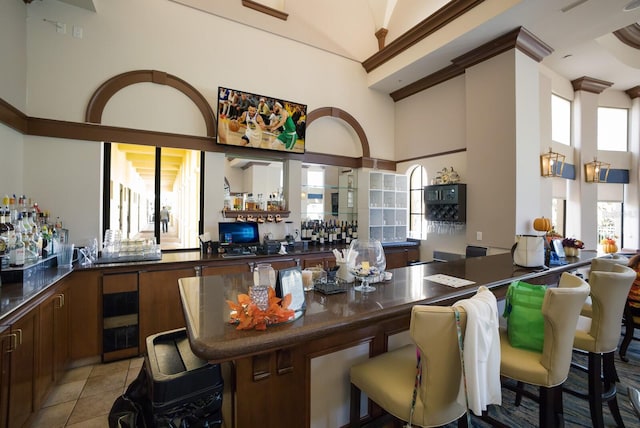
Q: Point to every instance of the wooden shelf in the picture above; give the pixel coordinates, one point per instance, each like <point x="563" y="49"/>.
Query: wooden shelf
<point x="256" y="214"/>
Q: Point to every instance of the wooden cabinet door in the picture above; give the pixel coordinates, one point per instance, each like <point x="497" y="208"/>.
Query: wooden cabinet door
<point x="5" y="372"/>
<point x="225" y="269"/>
<point x="61" y="353"/>
<point x="85" y="315"/>
<point x="396" y="258"/>
<point x="53" y="343"/>
<point x="22" y="369"/>
<point x="160" y="306"/>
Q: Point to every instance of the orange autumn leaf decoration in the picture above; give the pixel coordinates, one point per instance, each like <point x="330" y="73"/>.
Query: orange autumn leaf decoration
<point x="247" y="315"/>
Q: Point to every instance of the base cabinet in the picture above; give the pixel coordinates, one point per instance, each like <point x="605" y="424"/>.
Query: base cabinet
<point x="22" y="372"/>
<point x="53" y="342"/>
<point x="160" y="306"/>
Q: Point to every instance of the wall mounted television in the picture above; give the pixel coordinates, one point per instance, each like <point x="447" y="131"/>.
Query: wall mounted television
<point x="259" y="121"/>
<point x="238" y="233"/>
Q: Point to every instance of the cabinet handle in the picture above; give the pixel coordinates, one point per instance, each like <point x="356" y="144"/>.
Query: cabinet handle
<point x="16" y="339"/>
<point x="60" y="301"/>
<point x="13" y="343"/>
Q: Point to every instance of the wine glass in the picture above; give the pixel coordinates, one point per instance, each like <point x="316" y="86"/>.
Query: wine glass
<point x="366" y="260"/>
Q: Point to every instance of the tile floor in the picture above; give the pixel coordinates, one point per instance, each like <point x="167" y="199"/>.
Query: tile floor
<point x="84" y="396"/>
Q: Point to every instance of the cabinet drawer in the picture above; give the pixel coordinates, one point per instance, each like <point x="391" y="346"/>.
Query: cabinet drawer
<point x="119" y="283"/>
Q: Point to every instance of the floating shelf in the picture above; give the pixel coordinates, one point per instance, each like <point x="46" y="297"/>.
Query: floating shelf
<point x="236" y="213"/>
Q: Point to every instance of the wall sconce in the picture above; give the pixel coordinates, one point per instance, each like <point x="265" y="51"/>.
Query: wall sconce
<point x="551" y="164"/>
<point x="596" y="171"/>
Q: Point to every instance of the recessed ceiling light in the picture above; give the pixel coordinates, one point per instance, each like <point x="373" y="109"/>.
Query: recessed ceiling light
<point x="632" y="5"/>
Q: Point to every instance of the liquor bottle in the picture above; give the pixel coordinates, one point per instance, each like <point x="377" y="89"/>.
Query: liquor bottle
<point x="16" y="255"/>
<point x="343" y="233"/>
<point x="4" y="233"/>
<point x="354" y="232"/>
<point x="314" y="235"/>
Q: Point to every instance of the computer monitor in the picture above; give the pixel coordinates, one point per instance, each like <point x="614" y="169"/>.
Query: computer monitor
<point x="238" y="233"/>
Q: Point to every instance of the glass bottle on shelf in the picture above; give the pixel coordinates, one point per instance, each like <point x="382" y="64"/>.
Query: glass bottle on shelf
<point x="16" y="255"/>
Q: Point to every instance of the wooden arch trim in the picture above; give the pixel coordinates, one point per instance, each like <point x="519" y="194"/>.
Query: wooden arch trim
<point x="108" y="89"/>
<point x="341" y="114"/>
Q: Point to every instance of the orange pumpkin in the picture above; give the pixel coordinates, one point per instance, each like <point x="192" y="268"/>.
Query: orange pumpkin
<point x="609" y="245"/>
<point x="542" y="224"/>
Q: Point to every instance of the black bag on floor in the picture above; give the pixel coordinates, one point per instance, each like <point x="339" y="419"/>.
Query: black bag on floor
<point x="131" y="409"/>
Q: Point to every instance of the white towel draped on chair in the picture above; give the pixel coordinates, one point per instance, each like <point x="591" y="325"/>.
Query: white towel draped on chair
<point x="481" y="352"/>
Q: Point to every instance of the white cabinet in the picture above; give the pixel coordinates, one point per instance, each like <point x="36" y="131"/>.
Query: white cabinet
<point x="388" y="206"/>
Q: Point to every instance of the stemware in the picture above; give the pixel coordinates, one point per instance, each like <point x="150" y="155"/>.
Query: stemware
<point x="366" y="260"/>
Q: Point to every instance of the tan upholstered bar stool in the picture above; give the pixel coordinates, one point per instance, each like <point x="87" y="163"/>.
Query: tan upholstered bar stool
<point x="547" y="369"/>
<point x="388" y="379"/>
<point x="604" y="264"/>
<point x="598" y="336"/>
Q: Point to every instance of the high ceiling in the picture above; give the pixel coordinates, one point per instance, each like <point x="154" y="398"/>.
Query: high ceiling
<point x="579" y="31"/>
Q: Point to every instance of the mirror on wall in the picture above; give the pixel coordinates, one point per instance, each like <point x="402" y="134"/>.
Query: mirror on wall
<point x="329" y="193"/>
<point x="253" y="183"/>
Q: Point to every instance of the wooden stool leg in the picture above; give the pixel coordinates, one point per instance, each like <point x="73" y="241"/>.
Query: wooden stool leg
<point x="354" y="407"/>
<point x="595" y="389"/>
<point x="610" y="394"/>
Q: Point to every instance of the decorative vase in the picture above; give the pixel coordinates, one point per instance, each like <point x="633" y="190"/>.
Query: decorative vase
<point x="571" y="252"/>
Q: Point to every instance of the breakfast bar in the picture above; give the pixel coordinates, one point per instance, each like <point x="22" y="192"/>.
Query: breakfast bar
<point x="279" y="374"/>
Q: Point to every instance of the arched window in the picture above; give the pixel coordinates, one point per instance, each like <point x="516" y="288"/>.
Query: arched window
<point x="417" y="221"/>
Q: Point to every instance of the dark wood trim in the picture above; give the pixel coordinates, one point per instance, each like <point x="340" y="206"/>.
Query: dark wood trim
<point x="629" y="35"/>
<point x="12" y="117"/>
<point x="381" y="35"/>
<point x="520" y="39"/>
<point x="434" y="155"/>
<point x="335" y="160"/>
<point x="94" y="132"/>
<point x="108" y="89"/>
<point x="633" y="92"/>
<point x="265" y="9"/>
<point x="429" y="25"/>
<point x="427" y="82"/>
<point x="341" y="114"/>
<point x="589" y="84"/>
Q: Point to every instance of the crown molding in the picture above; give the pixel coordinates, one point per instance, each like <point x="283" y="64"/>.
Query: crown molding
<point x="629" y="35"/>
<point x="520" y="39"/>
<point x="265" y="9"/>
<point x="427" y="26"/>
<point x="589" y="84"/>
<point x="633" y="92"/>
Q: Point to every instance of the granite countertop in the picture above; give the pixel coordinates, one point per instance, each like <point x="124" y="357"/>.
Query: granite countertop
<point x="213" y="338"/>
<point x="35" y="281"/>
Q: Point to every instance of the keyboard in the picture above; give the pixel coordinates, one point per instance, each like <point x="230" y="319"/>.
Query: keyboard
<point x="234" y="255"/>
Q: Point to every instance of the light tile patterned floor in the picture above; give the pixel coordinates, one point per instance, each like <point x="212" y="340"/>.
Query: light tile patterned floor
<point x="84" y="396"/>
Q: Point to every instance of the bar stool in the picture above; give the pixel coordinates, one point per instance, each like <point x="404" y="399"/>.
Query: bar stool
<point x="547" y="369"/>
<point x="598" y="336"/>
<point x="389" y="379"/>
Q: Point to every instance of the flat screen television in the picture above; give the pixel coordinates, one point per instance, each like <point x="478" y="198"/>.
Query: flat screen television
<point x="259" y="121"/>
<point x="238" y="233"/>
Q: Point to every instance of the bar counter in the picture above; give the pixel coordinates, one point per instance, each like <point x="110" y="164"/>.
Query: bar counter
<point x="273" y="368"/>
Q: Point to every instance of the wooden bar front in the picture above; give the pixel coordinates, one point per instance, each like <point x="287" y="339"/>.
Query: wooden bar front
<point x="272" y="369"/>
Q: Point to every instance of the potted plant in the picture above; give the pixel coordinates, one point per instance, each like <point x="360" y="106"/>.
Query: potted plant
<point x="572" y="246"/>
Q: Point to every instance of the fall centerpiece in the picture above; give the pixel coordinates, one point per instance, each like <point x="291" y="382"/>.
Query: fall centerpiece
<point x="609" y="245"/>
<point x="247" y="315"/>
<point x="572" y="246"/>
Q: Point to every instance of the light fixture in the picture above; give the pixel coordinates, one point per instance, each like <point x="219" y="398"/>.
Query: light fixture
<point x="551" y="164"/>
<point x="596" y="171"/>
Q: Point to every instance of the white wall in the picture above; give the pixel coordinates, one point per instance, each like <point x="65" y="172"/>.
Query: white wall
<point x="13" y="42"/>
<point x="205" y="51"/>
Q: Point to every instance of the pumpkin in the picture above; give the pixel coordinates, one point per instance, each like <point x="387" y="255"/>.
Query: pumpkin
<point x="542" y="224"/>
<point x="609" y="245"/>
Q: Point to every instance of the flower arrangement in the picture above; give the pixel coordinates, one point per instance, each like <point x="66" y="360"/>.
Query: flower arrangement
<point x="572" y="243"/>
<point x="247" y="315"/>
